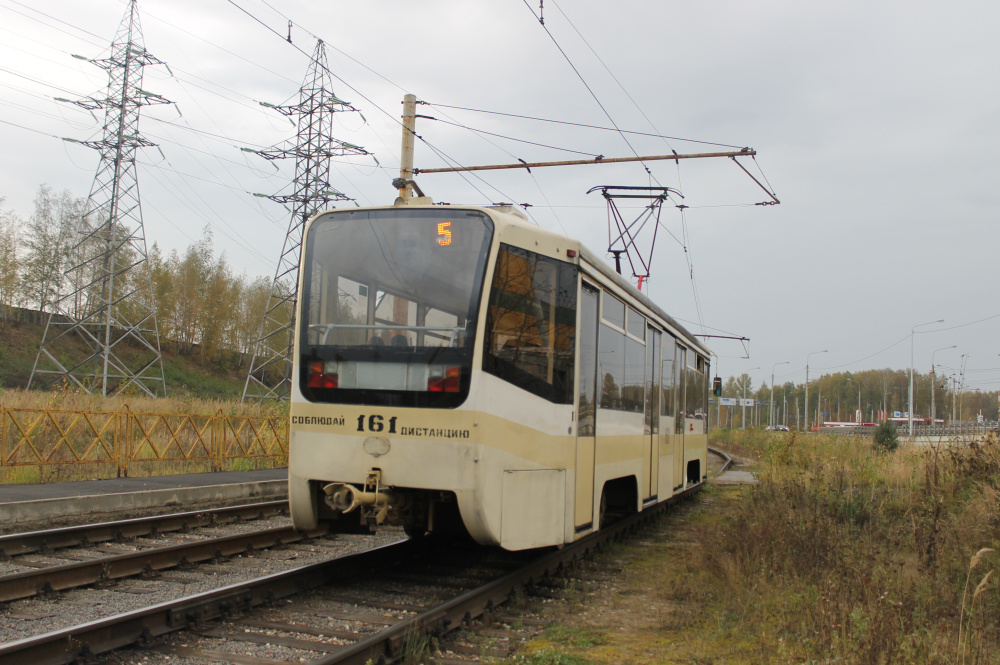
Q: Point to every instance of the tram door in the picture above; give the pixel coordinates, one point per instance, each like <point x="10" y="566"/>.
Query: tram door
<point x="652" y="427"/>
<point x="587" y="410"/>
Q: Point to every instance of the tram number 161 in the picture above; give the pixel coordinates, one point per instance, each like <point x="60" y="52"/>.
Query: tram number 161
<point x="376" y="424"/>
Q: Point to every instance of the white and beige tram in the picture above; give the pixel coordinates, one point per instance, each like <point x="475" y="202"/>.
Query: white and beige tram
<point x="459" y="366"/>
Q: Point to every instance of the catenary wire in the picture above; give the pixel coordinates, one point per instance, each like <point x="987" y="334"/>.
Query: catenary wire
<point x="583" y="125"/>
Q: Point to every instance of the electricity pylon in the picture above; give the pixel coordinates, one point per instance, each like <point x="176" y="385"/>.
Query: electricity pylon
<point x="103" y="334"/>
<point x="271" y="367"/>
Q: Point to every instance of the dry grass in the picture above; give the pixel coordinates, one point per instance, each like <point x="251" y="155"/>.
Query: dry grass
<point x="864" y="557"/>
<point x="73" y="400"/>
<point x="839" y="555"/>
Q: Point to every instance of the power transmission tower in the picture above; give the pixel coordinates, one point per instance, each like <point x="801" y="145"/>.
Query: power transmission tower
<point x="103" y="334"/>
<point x="271" y="367"/>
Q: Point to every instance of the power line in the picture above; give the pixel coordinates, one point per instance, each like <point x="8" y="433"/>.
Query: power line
<point x="437" y="151"/>
<point x="34" y="80"/>
<point x="29" y="129"/>
<point x="100" y="39"/>
<point x="225" y="50"/>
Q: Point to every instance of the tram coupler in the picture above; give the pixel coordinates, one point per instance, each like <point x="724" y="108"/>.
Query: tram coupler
<point x="374" y="502"/>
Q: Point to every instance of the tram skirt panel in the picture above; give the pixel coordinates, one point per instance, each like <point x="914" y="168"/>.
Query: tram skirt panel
<point x="534" y="508"/>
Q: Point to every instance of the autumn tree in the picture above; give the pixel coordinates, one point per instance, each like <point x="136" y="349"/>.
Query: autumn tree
<point x="250" y="299"/>
<point x="10" y="264"/>
<point x="48" y="237"/>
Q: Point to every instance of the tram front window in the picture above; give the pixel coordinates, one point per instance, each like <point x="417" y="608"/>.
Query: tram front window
<point x="389" y="303"/>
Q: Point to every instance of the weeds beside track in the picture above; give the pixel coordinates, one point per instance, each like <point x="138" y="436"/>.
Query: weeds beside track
<point x="839" y="554"/>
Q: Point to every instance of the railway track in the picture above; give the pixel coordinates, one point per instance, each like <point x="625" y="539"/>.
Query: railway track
<point x="75" y="536"/>
<point x="392" y="601"/>
<point x="102" y="564"/>
<point x="375" y="606"/>
<point x="63" y="577"/>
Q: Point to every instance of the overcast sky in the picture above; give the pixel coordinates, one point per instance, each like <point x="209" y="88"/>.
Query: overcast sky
<point x="876" y="124"/>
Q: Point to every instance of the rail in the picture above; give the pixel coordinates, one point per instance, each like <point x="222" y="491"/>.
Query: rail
<point x="87" y="641"/>
<point x="123" y="442"/>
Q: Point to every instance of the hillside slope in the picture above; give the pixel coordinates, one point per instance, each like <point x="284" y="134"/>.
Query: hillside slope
<point x="185" y="374"/>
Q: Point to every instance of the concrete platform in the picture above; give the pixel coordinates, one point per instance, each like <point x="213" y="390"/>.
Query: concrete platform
<point x="50" y="501"/>
<point x="735" y="477"/>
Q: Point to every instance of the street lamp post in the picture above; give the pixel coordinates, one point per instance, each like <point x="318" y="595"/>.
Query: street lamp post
<point x="859" y="418"/>
<point x="909" y="415"/>
<point x="743" y="420"/>
<point x="807" y="384"/>
<point x="934" y="380"/>
<point x="770" y="411"/>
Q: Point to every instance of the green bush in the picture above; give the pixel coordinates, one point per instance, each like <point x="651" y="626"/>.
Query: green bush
<point x="886" y="438"/>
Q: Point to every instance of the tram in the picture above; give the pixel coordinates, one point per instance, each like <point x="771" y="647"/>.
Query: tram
<point x="460" y="367"/>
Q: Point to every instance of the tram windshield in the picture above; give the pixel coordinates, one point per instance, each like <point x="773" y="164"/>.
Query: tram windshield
<point x="389" y="304"/>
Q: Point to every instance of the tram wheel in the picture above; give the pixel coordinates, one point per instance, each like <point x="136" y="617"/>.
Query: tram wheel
<point x="415" y="531"/>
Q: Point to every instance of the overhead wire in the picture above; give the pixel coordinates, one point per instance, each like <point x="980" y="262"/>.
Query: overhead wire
<point x="187" y="126"/>
<point x="234" y="236"/>
<point x="586" y="85"/>
<point x="482" y="135"/>
<point x="516" y="140"/>
<point x="584" y="126"/>
<point x="39" y="82"/>
<point x="57" y="20"/>
<point x="200" y="210"/>
<point x="29" y="129"/>
<point x="687" y="254"/>
<point x="353" y="89"/>
<point x="906" y="337"/>
<point x="434" y="149"/>
<point x="36" y="112"/>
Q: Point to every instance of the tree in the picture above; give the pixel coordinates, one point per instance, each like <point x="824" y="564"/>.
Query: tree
<point x="10" y="263"/>
<point x="885" y="437"/>
<point x="49" y="234"/>
<point x="250" y="297"/>
<point x="190" y="279"/>
<point x="163" y="293"/>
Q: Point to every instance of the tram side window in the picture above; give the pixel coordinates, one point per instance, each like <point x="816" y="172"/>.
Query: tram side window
<point x="531" y="324"/>
<point x="696" y="398"/>
<point x="611" y="366"/>
<point x="635" y="374"/>
<point x="680" y="363"/>
<point x="636" y="324"/>
<point x="621" y="358"/>
<point x="587" y="370"/>
<point x="613" y="311"/>
<point x="669" y="381"/>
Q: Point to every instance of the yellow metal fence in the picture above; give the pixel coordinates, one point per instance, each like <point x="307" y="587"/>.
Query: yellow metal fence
<point x="123" y="439"/>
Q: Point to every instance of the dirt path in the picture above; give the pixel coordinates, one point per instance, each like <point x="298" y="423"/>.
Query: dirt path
<point x="639" y="601"/>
